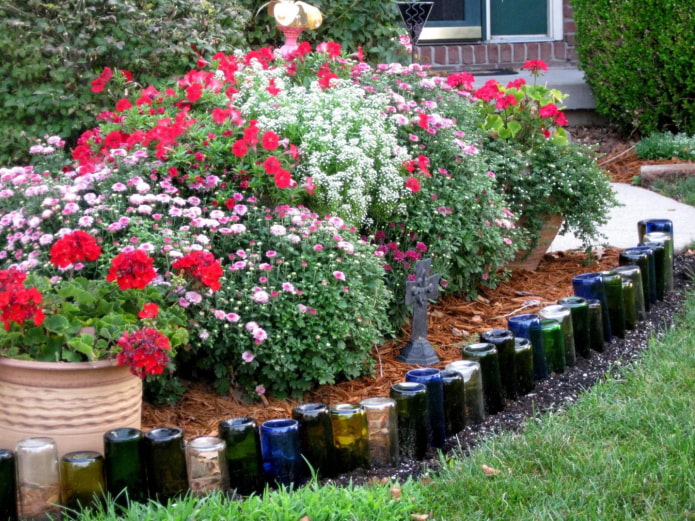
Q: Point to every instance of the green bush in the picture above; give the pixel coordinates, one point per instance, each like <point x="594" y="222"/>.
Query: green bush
<point x="664" y="145"/>
<point x="638" y="58"/>
<point x="52" y="51"/>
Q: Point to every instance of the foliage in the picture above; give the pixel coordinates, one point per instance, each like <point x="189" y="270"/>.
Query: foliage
<point x="664" y="145"/>
<point x="370" y="25"/>
<point x="52" y="51"/>
<point x="318" y="182"/>
<point x="637" y="58"/>
<point x="303" y="302"/>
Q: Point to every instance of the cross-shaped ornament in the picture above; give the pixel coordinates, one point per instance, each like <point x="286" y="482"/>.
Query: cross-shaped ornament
<point x="419" y="351"/>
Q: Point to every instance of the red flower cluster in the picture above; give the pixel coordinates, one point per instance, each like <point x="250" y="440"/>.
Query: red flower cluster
<point x="74" y="247"/>
<point x="132" y="269"/>
<point x="202" y="267"/>
<point x="99" y="83"/>
<point x="145" y="351"/>
<point x="17" y="302"/>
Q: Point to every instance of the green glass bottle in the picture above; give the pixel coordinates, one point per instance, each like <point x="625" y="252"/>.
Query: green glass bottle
<point x="316" y="437"/>
<point x="633" y="273"/>
<point x="350" y="436"/>
<point x="82" y="479"/>
<point x="412" y="408"/>
<point x="630" y="311"/>
<point x="596" y="321"/>
<point x="579" y="310"/>
<point x="523" y="352"/>
<point x="8" y="485"/>
<point x="243" y="452"/>
<point x="165" y="461"/>
<point x="564" y="316"/>
<point x="382" y="428"/>
<point x="486" y="355"/>
<point x="472" y="389"/>
<point x="503" y="340"/>
<point x="660" y="259"/>
<point x="454" y="402"/>
<point x="667" y="241"/>
<point x="613" y="285"/>
<point x="549" y="333"/>
<point x="639" y="257"/>
<point x="124" y="466"/>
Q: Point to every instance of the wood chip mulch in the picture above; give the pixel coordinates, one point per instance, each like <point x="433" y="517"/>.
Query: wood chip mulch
<point x="453" y="321"/>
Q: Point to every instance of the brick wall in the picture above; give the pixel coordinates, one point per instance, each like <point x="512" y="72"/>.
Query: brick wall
<point x="481" y="56"/>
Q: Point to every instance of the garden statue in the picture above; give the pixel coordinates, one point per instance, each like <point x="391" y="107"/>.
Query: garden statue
<point x="293" y="17"/>
<point x="418" y="351"/>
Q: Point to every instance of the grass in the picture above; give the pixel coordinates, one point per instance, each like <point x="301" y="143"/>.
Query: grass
<point x="682" y="189"/>
<point x="624" y="451"/>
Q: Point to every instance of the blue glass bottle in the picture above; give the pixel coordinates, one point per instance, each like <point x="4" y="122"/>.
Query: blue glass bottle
<point x="432" y="379"/>
<point x="281" y="451"/>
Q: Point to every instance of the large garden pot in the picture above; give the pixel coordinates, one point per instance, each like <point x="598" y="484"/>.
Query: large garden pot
<point x="74" y="403"/>
<point x="530" y="259"/>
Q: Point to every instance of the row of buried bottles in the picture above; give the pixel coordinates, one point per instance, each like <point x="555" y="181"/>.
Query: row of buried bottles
<point x="419" y="414"/>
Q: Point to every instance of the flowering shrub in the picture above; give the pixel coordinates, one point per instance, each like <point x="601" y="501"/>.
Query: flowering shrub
<point x="278" y="205"/>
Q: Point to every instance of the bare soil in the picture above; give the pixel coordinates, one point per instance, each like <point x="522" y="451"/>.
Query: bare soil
<point x="456" y="321"/>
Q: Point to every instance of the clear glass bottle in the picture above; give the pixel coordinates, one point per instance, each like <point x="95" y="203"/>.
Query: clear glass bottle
<point x="206" y="465"/>
<point x="38" y="479"/>
<point x="382" y="430"/>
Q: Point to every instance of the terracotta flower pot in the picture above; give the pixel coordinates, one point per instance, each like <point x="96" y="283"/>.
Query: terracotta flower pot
<point x="74" y="403"/>
<point x="530" y="259"/>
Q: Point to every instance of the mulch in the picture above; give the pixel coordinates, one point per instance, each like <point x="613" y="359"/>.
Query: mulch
<point x="453" y="322"/>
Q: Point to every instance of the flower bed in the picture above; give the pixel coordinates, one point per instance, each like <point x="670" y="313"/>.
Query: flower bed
<point x="316" y="183"/>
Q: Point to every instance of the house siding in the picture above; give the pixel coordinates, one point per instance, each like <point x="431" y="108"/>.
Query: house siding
<point x="487" y="55"/>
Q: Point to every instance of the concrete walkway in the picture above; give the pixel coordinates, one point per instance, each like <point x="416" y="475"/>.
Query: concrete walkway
<point x="639" y="204"/>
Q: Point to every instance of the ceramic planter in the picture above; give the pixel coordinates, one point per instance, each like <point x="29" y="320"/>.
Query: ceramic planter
<point x="74" y="403"/>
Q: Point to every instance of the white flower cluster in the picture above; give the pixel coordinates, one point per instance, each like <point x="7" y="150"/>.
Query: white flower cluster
<point x="348" y="145"/>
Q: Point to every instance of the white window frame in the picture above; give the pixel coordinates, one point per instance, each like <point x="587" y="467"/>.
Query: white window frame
<point x="555" y="26"/>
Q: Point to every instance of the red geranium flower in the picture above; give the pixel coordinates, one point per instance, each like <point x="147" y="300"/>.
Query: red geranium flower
<point x="145" y="351"/>
<point x="149" y="310"/>
<point x="74" y="247"/>
<point x="132" y="269"/>
<point x="202" y="267"/>
<point x="413" y="184"/>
